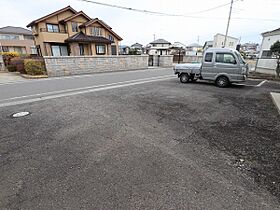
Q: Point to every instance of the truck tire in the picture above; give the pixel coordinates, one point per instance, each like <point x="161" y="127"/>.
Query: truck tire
<point x="184" y="78"/>
<point x="222" y="81"/>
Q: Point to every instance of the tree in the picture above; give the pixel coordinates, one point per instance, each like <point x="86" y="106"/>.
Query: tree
<point x="275" y="50"/>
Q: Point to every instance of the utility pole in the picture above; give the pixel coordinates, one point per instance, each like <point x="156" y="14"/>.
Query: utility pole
<point x="154" y="37"/>
<point x="229" y="17"/>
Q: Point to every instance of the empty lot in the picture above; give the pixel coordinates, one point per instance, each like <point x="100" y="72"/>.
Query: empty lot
<point x="160" y="145"/>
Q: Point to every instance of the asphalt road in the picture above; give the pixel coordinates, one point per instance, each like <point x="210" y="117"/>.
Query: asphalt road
<point x="152" y="145"/>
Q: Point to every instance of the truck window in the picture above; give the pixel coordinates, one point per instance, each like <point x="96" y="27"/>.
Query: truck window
<point x="208" y="57"/>
<point x="225" y="58"/>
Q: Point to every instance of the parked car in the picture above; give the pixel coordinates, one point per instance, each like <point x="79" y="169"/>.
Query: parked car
<point x="221" y="65"/>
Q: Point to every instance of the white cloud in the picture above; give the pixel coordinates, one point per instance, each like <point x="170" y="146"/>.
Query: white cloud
<point x="139" y="27"/>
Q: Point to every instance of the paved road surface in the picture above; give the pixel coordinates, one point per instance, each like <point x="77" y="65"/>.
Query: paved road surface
<point x="31" y="89"/>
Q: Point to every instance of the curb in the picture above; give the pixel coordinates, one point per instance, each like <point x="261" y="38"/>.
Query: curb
<point x="276" y="100"/>
<point x="26" y="76"/>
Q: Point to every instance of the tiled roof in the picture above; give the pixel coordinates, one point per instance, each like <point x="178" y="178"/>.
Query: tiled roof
<point x="15" y="30"/>
<point x="81" y="37"/>
<point x="51" y="15"/>
<point x="160" y="41"/>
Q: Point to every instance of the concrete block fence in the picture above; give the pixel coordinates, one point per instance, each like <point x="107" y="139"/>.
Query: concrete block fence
<point x="74" y="65"/>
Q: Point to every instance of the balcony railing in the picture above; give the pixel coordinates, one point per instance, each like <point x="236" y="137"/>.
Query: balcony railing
<point x="53" y="30"/>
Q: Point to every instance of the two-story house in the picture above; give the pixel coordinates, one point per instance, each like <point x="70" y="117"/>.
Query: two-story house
<point x="68" y="32"/>
<point x="16" y="39"/>
<point x="159" y="47"/>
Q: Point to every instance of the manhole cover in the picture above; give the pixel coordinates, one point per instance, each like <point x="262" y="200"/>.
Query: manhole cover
<point x="20" y="114"/>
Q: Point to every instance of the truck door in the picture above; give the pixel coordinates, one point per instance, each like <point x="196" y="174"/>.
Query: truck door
<point x="207" y="71"/>
<point x="226" y="63"/>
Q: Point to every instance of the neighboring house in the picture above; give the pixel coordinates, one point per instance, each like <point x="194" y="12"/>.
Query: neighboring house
<point x="207" y="44"/>
<point x="68" y="32"/>
<point x="194" y="49"/>
<point x="159" y="47"/>
<point x="138" y="47"/>
<point x="177" y="48"/>
<point x="266" y="62"/>
<point x="219" y="40"/>
<point x="16" y="39"/>
<point x="124" y="50"/>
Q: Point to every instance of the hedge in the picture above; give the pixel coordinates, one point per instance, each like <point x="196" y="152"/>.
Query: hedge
<point x="34" y="67"/>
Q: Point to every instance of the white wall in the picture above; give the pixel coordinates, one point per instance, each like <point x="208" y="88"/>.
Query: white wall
<point x="268" y="41"/>
<point x="267" y="65"/>
<point x="219" y="40"/>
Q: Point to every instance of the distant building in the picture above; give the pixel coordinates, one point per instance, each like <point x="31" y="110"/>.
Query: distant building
<point x="176" y="47"/>
<point x="16" y="39"/>
<point x="207" y="44"/>
<point x="159" y="47"/>
<point x="219" y="40"/>
<point x="138" y="48"/>
<point x="266" y="62"/>
<point x="194" y="49"/>
<point x="124" y="50"/>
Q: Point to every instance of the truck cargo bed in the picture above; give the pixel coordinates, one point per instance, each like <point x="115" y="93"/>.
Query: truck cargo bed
<point x="191" y="68"/>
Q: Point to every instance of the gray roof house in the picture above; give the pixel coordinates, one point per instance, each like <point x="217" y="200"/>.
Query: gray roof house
<point x="159" y="47"/>
<point x="17" y="39"/>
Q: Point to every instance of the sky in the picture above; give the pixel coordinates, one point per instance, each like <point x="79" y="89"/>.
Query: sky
<point x="250" y="18"/>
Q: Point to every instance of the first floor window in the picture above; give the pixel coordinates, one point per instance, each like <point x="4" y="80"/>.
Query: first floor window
<point x="59" y="50"/>
<point x="266" y="54"/>
<point x="33" y="50"/>
<point x="100" y="49"/>
<point x="5" y="49"/>
<point x="82" y="49"/>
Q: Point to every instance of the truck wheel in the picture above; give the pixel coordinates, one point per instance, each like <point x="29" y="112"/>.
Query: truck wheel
<point x="184" y="78"/>
<point x="222" y="81"/>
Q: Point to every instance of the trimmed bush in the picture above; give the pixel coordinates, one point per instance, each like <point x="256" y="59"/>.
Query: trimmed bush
<point x="12" y="68"/>
<point x="18" y="62"/>
<point x="34" y="67"/>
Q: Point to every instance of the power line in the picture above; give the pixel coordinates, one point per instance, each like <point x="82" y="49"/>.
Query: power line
<point x="149" y="12"/>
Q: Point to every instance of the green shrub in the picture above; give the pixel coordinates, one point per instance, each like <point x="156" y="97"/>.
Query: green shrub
<point x="12" y="68"/>
<point x="34" y="67"/>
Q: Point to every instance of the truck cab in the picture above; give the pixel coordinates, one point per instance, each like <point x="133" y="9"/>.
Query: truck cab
<point x="221" y="65"/>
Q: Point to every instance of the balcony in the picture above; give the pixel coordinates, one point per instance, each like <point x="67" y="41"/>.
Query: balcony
<point x="53" y="36"/>
<point x="53" y="31"/>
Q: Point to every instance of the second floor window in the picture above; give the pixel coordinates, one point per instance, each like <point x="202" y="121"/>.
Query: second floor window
<point x="75" y="27"/>
<point x="96" y="31"/>
<point x="111" y="37"/>
<point x="8" y="36"/>
<point x="53" y="28"/>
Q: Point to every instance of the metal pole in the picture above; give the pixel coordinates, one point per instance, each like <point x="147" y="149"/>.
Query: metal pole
<point x="228" y="22"/>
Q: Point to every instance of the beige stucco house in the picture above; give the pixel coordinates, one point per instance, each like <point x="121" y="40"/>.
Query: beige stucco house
<point x="68" y="32"/>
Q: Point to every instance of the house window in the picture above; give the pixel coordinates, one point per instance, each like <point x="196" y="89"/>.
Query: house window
<point x="74" y="27"/>
<point x="100" y="49"/>
<point x="52" y="28"/>
<point x="96" y="31"/>
<point x="111" y="37"/>
<point x="59" y="50"/>
<point x="5" y="49"/>
<point x="33" y="50"/>
<point x="9" y="37"/>
<point x="266" y="54"/>
<point x="82" y="49"/>
<point x="225" y="58"/>
<point x="208" y="57"/>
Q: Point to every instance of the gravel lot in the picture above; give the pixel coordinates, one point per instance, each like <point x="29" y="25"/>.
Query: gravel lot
<point x="162" y="145"/>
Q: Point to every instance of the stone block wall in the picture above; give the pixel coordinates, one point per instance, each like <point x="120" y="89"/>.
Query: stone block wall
<point x="166" y="60"/>
<point x="74" y="65"/>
